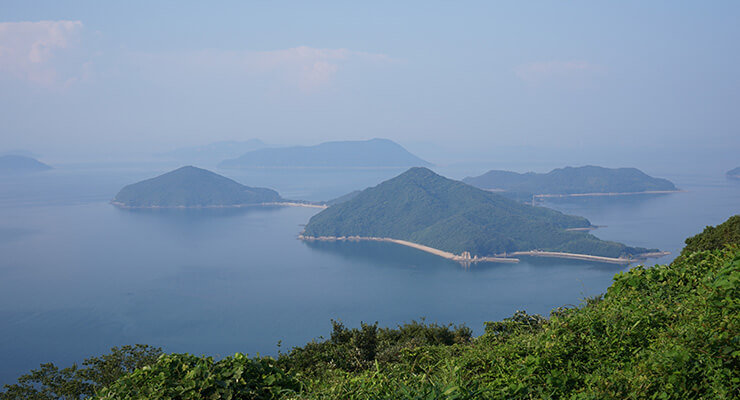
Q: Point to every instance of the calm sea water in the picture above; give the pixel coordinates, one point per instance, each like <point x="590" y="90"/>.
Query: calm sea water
<point x="78" y="276"/>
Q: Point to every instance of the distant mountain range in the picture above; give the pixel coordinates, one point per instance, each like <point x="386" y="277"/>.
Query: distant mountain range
<point x="734" y="173"/>
<point x="347" y="154"/>
<point x="571" y="180"/>
<point x="214" y="152"/>
<point x="424" y="208"/>
<point x="12" y="163"/>
<point x="191" y="187"/>
<point x="19" y="152"/>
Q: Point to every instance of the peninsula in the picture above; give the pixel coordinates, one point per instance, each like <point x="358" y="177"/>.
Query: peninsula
<point x="449" y="216"/>
<point x="21" y="164"/>
<point x="374" y="153"/>
<point x="578" y="181"/>
<point x="734" y="173"/>
<point x="191" y="187"/>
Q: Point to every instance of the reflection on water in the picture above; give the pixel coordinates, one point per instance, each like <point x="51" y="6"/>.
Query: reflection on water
<point x="196" y="214"/>
<point x="390" y="254"/>
<point x="9" y="234"/>
<point x="628" y="201"/>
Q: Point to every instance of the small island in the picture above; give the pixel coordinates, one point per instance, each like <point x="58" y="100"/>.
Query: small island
<point x="572" y="181"/>
<point x="452" y="219"/>
<point x="191" y="187"/>
<point x="17" y="164"/>
<point x="374" y="153"/>
<point x="734" y="173"/>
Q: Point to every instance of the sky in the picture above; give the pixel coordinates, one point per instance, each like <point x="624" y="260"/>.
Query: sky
<point x="473" y="78"/>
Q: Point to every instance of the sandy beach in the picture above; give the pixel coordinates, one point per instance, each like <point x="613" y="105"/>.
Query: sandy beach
<point x="462" y="258"/>
<point x="271" y="204"/>
<point x="466" y="257"/>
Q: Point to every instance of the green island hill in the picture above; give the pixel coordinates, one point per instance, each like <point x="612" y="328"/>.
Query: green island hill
<point x="572" y="180"/>
<point x="12" y="163"/>
<point x="424" y="208"/>
<point x="372" y="153"/>
<point x="663" y="332"/>
<point x="191" y="187"/>
<point x="734" y="173"/>
<point x="341" y="199"/>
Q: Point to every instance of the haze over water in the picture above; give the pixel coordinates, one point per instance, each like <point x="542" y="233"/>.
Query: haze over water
<point x="108" y="92"/>
<point x="78" y="275"/>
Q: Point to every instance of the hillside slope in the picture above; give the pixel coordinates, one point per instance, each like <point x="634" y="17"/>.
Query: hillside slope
<point x="191" y="187"/>
<point x="425" y="208"/>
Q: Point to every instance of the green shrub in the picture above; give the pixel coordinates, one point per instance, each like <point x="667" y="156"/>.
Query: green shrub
<point x="715" y="237"/>
<point x="49" y="382"/>
<point x="184" y="377"/>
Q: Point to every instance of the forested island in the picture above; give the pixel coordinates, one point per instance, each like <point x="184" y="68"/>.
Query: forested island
<point x="734" y="173"/>
<point x="191" y="187"/>
<point x="424" y="208"/>
<point x="571" y="180"/>
<point x="372" y="153"/>
<point x="13" y="164"/>
<point x="664" y="332"/>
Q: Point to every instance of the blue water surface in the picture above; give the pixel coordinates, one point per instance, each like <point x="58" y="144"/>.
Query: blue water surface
<point x="78" y="276"/>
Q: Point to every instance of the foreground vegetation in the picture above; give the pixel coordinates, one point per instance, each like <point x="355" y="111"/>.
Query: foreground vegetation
<point x="666" y="332"/>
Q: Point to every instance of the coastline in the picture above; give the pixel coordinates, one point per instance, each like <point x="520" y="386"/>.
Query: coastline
<point x="585" y="229"/>
<point x="269" y="204"/>
<point x="466" y="258"/>
<point x="586" y="257"/>
<point x="597" y="194"/>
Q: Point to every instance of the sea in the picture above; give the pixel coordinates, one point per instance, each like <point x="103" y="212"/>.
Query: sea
<point x="79" y="276"/>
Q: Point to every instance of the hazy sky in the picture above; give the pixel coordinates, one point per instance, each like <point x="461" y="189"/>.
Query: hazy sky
<point x="133" y="75"/>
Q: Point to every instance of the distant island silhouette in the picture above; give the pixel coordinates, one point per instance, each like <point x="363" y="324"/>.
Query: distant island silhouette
<point x="372" y="153"/>
<point x="12" y="163"/>
<point x="586" y="180"/>
<point x="734" y="173"/>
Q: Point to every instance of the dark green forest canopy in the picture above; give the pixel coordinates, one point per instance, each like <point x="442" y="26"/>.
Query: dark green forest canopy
<point x="367" y="153"/>
<point x="341" y="199"/>
<point x="664" y="332"/>
<point x="423" y="207"/>
<point x="192" y="187"/>
<point x="571" y="180"/>
<point x="715" y="237"/>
